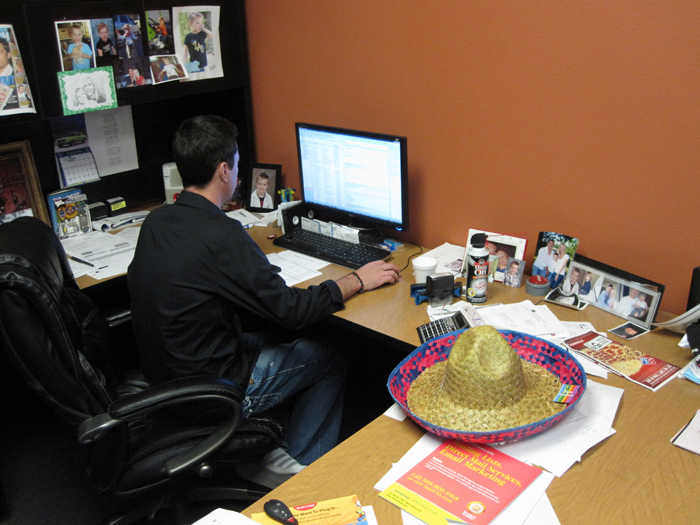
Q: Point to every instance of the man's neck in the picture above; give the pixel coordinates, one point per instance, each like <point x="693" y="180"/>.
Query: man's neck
<point x="208" y="194"/>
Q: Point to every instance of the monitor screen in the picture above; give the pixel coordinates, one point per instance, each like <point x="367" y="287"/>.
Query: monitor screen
<point x="358" y="176"/>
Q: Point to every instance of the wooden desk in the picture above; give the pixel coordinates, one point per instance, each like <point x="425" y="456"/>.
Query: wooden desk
<point x="635" y="476"/>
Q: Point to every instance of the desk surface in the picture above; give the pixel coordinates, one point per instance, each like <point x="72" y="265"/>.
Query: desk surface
<point x="635" y="476"/>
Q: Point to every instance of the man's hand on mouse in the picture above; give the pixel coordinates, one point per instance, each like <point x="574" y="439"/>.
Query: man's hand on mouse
<point x="370" y="276"/>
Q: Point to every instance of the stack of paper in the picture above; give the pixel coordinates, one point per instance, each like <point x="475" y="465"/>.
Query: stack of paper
<point x="514" y="514"/>
<point x="102" y="254"/>
<point x="537" y="320"/>
<point x="587" y="424"/>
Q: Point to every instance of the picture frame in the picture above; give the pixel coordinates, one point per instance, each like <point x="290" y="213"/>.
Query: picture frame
<point x="513" y="247"/>
<point x="271" y="172"/>
<point x="514" y="272"/>
<point x="628" y="296"/>
<point x="20" y="189"/>
<point x="558" y="264"/>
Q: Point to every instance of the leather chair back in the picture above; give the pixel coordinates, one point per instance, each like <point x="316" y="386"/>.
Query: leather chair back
<point x="50" y="330"/>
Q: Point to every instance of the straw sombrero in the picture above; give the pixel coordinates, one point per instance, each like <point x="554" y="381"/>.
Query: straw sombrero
<point x="496" y="386"/>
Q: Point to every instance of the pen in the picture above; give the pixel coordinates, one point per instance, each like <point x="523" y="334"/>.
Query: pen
<point x="80" y="260"/>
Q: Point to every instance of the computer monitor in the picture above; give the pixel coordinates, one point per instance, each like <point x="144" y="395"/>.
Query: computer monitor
<point x="358" y="177"/>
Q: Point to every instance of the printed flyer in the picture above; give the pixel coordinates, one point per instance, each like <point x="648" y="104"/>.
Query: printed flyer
<point x="640" y="368"/>
<point x="340" y="511"/>
<point x="463" y="482"/>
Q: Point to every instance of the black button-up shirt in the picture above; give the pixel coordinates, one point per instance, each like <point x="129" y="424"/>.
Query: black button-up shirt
<point x="194" y="267"/>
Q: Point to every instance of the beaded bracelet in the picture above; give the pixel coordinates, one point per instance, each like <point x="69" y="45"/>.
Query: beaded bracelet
<point x="362" y="285"/>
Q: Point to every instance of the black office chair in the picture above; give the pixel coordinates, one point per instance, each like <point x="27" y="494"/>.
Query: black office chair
<point x="139" y="444"/>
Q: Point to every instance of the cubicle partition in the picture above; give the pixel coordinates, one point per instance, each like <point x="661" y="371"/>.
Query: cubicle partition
<point x="157" y="109"/>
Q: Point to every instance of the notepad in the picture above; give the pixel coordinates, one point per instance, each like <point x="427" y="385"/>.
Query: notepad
<point x="689" y="436"/>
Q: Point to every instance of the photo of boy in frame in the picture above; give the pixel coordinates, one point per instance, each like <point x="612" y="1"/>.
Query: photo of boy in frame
<point x="514" y="274"/>
<point x="263" y="186"/>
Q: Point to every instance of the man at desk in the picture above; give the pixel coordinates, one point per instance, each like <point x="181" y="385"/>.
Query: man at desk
<point x="194" y="268"/>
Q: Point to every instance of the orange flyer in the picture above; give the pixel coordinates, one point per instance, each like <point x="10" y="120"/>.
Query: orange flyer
<point x="463" y="482"/>
<point x="340" y="511"/>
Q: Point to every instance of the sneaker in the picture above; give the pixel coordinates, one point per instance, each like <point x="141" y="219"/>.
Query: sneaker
<point x="273" y="470"/>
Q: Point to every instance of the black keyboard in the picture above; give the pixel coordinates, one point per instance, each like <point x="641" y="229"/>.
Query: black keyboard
<point x="331" y="249"/>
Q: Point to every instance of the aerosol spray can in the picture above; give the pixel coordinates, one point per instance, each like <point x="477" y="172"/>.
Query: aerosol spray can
<point x="477" y="269"/>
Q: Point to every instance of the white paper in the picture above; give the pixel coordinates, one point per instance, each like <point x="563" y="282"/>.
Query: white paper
<point x="689" y="437"/>
<point x="296" y="267"/>
<point x="396" y="412"/>
<point x="225" y="517"/>
<point x="449" y="258"/>
<point x="111" y="136"/>
<point x="267" y="218"/>
<point x="559" y="447"/>
<point x="246" y="218"/>
<point x="110" y="254"/>
<point x="543" y="513"/>
<point x="522" y="317"/>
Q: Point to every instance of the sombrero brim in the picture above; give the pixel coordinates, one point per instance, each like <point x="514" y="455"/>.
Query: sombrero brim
<point x="537" y="351"/>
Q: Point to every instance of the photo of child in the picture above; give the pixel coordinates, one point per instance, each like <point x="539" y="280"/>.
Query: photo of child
<point x="75" y="45"/>
<point x="166" y="69"/>
<point x="160" y="33"/>
<point x="514" y="275"/>
<point x="128" y="30"/>
<point x="260" y="198"/>
<point x="196" y="39"/>
<point x="103" y="41"/>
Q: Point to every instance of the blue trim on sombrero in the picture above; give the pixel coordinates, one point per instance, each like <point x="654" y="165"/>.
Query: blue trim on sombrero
<point x="549" y="356"/>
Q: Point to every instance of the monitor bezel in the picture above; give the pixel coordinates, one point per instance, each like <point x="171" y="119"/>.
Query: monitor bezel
<point x="353" y="218"/>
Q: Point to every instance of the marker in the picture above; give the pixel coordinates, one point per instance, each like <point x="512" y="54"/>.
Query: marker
<point x="80" y="260"/>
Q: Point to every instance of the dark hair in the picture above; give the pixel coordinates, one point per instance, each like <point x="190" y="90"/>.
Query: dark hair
<point x="4" y="43"/>
<point x="200" y="145"/>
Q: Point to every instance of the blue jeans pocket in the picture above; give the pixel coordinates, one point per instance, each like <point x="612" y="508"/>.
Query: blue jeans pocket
<point x="256" y="404"/>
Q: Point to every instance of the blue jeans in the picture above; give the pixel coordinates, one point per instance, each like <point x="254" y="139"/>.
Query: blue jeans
<point x="555" y="279"/>
<point x="539" y="271"/>
<point x="317" y="372"/>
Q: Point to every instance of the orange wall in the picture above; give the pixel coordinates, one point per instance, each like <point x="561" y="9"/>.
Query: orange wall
<point x="576" y="117"/>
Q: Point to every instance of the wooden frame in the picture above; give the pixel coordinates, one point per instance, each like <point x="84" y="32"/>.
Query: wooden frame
<point x="274" y="173"/>
<point x="20" y="189"/>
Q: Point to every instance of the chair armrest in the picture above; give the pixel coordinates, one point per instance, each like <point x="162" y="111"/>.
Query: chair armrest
<point x="200" y="388"/>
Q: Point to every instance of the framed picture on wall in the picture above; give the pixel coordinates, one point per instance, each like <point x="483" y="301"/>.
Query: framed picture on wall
<point x="263" y="187"/>
<point x="20" y="190"/>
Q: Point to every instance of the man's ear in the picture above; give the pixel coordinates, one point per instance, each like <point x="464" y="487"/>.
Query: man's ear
<point x="223" y="171"/>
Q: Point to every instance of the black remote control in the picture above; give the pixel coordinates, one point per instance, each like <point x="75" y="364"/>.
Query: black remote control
<point x="280" y="512"/>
